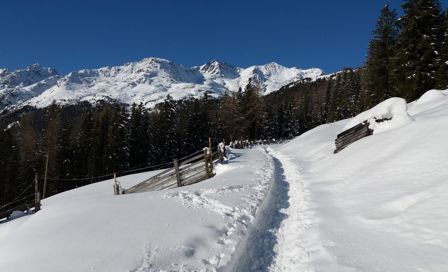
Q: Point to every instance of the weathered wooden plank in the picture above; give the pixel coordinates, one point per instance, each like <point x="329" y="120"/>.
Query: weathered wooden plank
<point x="357" y="132"/>
<point x="186" y="166"/>
<point x="188" y="171"/>
<point x="150" y="183"/>
<point x="359" y="126"/>
<point x="353" y="137"/>
<point x="190" y="174"/>
<point x="154" y="186"/>
<point x="192" y="159"/>
<point x="201" y="176"/>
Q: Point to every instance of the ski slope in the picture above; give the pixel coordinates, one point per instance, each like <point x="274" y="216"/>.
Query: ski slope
<point x="378" y="205"/>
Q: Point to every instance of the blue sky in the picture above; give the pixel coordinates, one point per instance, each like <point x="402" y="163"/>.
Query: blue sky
<point x="70" y="35"/>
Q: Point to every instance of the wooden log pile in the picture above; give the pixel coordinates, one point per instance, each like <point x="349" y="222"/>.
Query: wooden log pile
<point x="352" y="135"/>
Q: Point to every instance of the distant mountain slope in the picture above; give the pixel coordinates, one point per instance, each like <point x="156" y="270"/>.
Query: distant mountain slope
<point x="148" y="81"/>
<point x="20" y="85"/>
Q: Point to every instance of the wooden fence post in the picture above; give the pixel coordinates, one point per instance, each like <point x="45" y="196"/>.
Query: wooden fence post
<point x="116" y="186"/>
<point x="207" y="169"/>
<point x="45" y="177"/>
<point x="210" y="162"/>
<point x="176" y="169"/>
<point x="36" y="194"/>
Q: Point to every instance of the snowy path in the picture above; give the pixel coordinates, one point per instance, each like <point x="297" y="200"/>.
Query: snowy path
<point x="293" y="248"/>
<point x="276" y="241"/>
<point x="257" y="251"/>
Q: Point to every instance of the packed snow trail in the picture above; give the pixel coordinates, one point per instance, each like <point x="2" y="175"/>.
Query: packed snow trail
<point x="256" y="252"/>
<point x="279" y="238"/>
<point x="293" y="248"/>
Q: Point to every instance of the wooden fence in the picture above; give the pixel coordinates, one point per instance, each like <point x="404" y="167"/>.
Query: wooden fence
<point x="351" y="135"/>
<point x="192" y="169"/>
<point x="28" y="203"/>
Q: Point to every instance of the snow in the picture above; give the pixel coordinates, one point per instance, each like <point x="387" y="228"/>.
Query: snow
<point x="148" y="81"/>
<point x="389" y="114"/>
<point x="431" y="96"/>
<point x="192" y="228"/>
<point x="378" y="205"/>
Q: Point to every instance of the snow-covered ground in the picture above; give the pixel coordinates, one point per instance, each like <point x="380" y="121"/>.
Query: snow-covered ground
<point x="191" y="228"/>
<point x="378" y="205"/>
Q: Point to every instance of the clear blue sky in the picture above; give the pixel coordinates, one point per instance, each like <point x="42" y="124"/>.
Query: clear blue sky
<point x="70" y="35"/>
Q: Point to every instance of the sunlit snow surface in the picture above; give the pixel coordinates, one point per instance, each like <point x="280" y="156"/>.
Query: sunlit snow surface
<point x="381" y="204"/>
<point x="378" y="205"/>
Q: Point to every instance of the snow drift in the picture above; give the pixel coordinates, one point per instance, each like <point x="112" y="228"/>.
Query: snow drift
<point x="389" y="114"/>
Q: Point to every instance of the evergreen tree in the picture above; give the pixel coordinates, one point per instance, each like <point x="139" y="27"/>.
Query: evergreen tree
<point x="9" y="152"/>
<point x="377" y="85"/>
<point x="251" y="111"/>
<point x="84" y="151"/>
<point x="416" y="58"/>
<point x="442" y="73"/>
<point x="117" y="150"/>
<point x="138" y="134"/>
<point x="228" y="116"/>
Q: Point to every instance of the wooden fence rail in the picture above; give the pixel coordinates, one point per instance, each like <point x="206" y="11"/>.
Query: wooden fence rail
<point x="28" y="203"/>
<point x="351" y="135"/>
<point x="191" y="169"/>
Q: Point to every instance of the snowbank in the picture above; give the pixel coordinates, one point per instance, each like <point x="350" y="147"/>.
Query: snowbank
<point x="431" y="96"/>
<point x="389" y="114"/>
<point x="380" y="204"/>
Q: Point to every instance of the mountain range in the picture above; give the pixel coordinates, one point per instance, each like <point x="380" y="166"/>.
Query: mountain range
<point x="148" y="81"/>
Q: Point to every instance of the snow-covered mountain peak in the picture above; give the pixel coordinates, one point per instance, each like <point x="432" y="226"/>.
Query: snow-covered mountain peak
<point x="216" y="68"/>
<point x="18" y="86"/>
<point x="147" y="81"/>
<point x="25" y="77"/>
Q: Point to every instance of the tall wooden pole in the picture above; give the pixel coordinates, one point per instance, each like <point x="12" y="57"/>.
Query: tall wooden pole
<point x="209" y="157"/>
<point x="116" y="186"/>
<point x="45" y="178"/>
<point x="36" y="194"/>
<point x="176" y="169"/>
<point x="207" y="168"/>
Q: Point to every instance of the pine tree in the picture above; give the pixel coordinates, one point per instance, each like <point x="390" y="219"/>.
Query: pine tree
<point x="228" y="116"/>
<point x="84" y="151"/>
<point x="138" y="130"/>
<point x="251" y="109"/>
<point x="377" y="85"/>
<point x="117" y="150"/>
<point x="9" y="152"/>
<point x="442" y="72"/>
<point x="416" y="58"/>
